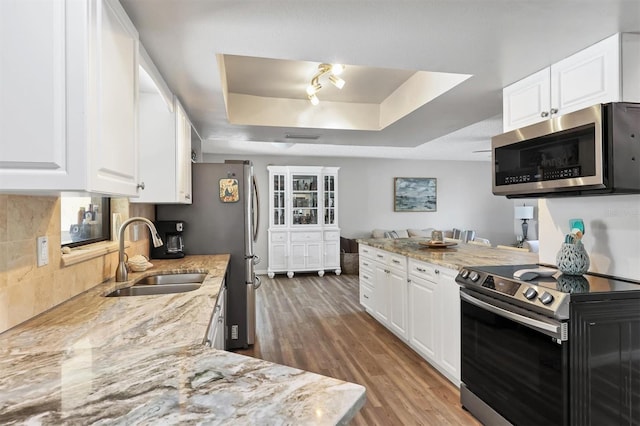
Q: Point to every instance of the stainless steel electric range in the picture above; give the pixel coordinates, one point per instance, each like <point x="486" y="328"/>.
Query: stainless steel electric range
<point x="516" y="352"/>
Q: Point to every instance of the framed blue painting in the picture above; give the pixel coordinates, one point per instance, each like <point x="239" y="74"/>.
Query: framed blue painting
<point x="415" y="194"/>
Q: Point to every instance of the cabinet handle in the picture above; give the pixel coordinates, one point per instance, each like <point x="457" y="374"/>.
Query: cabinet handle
<point x="437" y="271"/>
<point x="365" y="264"/>
<point x="188" y="197"/>
<point x="387" y="271"/>
<point x="544" y="114"/>
<point x="140" y="186"/>
<point x="365" y="296"/>
<point x="395" y="261"/>
<point x="554" y="110"/>
<point x="421" y="270"/>
<point x="380" y="256"/>
<point x="365" y="277"/>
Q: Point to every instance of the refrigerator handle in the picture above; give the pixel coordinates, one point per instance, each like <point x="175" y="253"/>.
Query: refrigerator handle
<point x="256" y="213"/>
<point x="257" y="283"/>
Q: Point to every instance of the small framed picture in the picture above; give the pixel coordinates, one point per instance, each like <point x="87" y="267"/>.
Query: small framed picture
<point x="415" y="195"/>
<point x="229" y="191"/>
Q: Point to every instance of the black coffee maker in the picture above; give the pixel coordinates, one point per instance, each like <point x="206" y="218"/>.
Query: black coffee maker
<point x="171" y="233"/>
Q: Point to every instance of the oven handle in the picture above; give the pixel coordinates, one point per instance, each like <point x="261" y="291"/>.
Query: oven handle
<point x="553" y="330"/>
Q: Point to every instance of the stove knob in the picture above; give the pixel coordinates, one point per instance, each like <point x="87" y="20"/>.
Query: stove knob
<point x="530" y="293"/>
<point x="474" y="276"/>
<point x="546" y="298"/>
<point x="464" y="274"/>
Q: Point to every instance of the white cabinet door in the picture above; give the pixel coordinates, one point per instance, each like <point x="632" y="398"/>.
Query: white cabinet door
<point x="423" y="316"/>
<point x="314" y="255"/>
<point x="165" y="151"/>
<point x="398" y="303"/>
<point x="33" y="90"/>
<point x="589" y="77"/>
<point x="449" y="302"/>
<point x="114" y="150"/>
<point x="75" y="74"/>
<point x="278" y="243"/>
<point x="332" y="255"/>
<point x="381" y="293"/>
<point x="297" y="260"/>
<point x="526" y="101"/>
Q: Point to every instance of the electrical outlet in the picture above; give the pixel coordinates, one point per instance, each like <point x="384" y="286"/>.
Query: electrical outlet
<point x="234" y="332"/>
<point x="43" y="251"/>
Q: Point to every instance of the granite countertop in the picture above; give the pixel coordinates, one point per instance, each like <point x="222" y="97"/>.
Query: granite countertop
<point x="140" y="359"/>
<point x="454" y="257"/>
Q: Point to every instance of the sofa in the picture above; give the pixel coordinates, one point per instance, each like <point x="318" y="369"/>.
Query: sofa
<point x="405" y="233"/>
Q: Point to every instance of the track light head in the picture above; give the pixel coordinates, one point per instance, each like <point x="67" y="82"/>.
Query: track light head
<point x="314" y="99"/>
<point x="336" y="81"/>
<point x="337" y="69"/>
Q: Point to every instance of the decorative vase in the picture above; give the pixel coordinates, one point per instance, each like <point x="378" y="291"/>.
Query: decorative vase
<point x="572" y="259"/>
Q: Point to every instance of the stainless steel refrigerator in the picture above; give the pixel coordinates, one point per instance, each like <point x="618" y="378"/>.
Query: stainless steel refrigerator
<point x="223" y="218"/>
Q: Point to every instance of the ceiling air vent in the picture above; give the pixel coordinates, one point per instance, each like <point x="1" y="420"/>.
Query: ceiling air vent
<point x="303" y="137"/>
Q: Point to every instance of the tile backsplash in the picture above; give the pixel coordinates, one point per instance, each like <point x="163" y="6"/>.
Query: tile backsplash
<point x="27" y="290"/>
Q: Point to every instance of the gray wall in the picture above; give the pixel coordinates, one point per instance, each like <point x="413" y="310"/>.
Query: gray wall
<point x="366" y="189"/>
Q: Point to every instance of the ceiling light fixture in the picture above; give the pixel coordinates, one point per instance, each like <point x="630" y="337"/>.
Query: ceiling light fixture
<point x="314" y="87"/>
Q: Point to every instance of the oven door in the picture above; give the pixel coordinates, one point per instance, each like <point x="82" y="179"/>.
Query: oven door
<point x="511" y="366"/>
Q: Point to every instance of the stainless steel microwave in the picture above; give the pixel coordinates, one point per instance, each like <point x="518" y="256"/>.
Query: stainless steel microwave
<point x="592" y="151"/>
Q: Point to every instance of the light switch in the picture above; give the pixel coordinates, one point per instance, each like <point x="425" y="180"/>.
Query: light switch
<point x="43" y="251"/>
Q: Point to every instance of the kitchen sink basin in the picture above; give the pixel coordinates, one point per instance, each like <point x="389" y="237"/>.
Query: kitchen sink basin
<point x="165" y="279"/>
<point x="162" y="284"/>
<point x="147" y="290"/>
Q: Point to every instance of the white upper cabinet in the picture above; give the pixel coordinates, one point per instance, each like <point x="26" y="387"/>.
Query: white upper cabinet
<point x="68" y="97"/>
<point x="608" y="71"/>
<point x="165" y="140"/>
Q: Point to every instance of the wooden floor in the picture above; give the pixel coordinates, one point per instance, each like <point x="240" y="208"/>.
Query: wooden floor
<point x="317" y="324"/>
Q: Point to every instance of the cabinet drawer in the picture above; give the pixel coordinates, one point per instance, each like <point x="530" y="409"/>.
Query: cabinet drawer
<point x="306" y="236"/>
<point x="396" y="260"/>
<point x="366" y="264"/>
<point x="366" y="296"/>
<point x="366" y="276"/>
<point x="366" y="251"/>
<point x="331" y="235"/>
<point x="422" y="269"/>
<point x="278" y="237"/>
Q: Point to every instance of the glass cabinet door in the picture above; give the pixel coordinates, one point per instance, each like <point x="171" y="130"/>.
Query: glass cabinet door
<point x="329" y="200"/>
<point x="304" y="200"/>
<point x="278" y="200"/>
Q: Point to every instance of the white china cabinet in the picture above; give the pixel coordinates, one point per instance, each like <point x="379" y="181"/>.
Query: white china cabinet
<point x="68" y="97"/>
<point x="303" y="220"/>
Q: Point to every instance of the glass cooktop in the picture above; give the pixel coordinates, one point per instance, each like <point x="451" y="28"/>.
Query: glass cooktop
<point x="586" y="283"/>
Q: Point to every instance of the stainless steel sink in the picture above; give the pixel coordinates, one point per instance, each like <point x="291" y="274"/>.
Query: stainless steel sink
<point x="162" y="284"/>
<point x="147" y="290"/>
<point x="164" y="279"/>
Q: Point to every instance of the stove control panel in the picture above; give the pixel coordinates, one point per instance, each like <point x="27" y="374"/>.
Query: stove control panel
<point x="536" y="296"/>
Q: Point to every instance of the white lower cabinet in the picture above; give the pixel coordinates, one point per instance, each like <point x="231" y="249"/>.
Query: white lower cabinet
<point x="417" y="301"/>
<point x="384" y="288"/>
<point x="422" y="305"/>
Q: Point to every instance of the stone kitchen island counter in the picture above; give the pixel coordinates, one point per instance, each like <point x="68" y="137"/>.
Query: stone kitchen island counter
<point x="454" y="257"/>
<point x="140" y="360"/>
